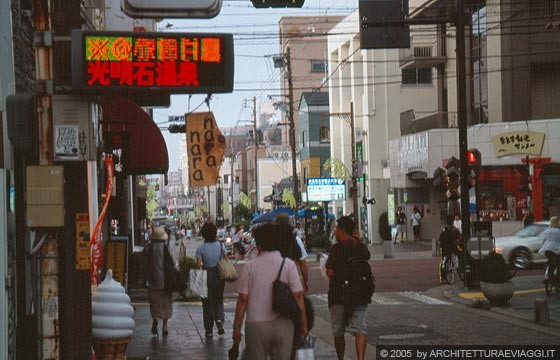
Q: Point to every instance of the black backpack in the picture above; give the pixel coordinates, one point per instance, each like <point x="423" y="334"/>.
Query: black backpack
<point x="359" y="283"/>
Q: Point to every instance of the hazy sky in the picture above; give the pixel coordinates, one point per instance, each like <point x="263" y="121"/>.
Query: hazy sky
<point x="255" y="38"/>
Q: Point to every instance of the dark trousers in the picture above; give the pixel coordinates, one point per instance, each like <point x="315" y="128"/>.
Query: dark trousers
<point x="213" y="306"/>
<point x="212" y="313"/>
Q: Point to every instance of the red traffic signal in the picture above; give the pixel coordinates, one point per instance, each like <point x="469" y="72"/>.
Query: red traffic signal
<point x="474" y="158"/>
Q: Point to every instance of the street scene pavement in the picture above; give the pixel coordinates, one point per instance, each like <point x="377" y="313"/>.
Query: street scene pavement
<point x="408" y="308"/>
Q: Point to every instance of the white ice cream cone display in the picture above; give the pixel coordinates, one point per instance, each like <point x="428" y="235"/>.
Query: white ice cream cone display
<point x="113" y="319"/>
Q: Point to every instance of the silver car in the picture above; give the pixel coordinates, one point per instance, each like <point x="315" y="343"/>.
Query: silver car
<point x="521" y="248"/>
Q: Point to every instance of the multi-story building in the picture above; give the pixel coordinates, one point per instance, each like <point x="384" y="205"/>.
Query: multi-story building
<point x="405" y="106"/>
<point x="371" y="82"/>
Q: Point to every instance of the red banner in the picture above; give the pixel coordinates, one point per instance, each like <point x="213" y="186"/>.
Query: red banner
<point x="96" y="241"/>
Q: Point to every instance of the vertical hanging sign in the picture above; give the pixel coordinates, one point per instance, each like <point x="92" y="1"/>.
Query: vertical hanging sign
<point x="83" y="261"/>
<point x="205" y="146"/>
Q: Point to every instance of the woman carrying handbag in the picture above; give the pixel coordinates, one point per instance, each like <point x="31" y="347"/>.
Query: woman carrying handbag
<point x="207" y="256"/>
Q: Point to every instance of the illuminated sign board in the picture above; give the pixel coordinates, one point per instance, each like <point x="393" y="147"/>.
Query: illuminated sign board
<point x="325" y="189"/>
<point x="142" y="61"/>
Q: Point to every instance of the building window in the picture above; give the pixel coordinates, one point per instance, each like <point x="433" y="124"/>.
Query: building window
<point x="318" y="66"/>
<point x="324" y="135"/>
<point x="303" y="138"/>
<point x="417" y="76"/>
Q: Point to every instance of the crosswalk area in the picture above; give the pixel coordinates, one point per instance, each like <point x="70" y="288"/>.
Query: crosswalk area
<point x="395" y="298"/>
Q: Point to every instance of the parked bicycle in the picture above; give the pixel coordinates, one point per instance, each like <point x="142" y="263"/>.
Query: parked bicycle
<point x="551" y="273"/>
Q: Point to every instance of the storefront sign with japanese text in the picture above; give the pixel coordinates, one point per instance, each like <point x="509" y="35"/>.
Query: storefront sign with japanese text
<point x="205" y="147"/>
<point x="325" y="189"/>
<point x="141" y="61"/>
<point x="518" y="142"/>
<point x="83" y="261"/>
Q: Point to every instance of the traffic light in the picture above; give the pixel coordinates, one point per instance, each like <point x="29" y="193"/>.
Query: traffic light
<point x="277" y="3"/>
<point x="439" y="175"/>
<point x="174" y="129"/>
<point x="474" y="159"/>
<point x="452" y="178"/>
<point x="453" y="167"/>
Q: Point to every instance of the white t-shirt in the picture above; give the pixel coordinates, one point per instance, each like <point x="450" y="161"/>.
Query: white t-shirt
<point x="416" y="219"/>
<point x="458" y="224"/>
<point x="304" y="253"/>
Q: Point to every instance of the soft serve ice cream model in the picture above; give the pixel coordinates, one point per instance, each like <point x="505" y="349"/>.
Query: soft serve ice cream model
<point x="113" y="319"/>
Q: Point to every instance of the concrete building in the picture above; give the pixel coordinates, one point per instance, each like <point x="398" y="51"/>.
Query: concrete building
<point x="371" y="81"/>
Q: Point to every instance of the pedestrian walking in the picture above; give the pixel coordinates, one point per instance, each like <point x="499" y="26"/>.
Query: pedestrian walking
<point x="292" y="247"/>
<point x="266" y="333"/>
<point x="343" y="317"/>
<point x="160" y="298"/>
<point x="415" y="221"/>
<point x="400" y="217"/>
<point x="207" y="256"/>
<point x="528" y="217"/>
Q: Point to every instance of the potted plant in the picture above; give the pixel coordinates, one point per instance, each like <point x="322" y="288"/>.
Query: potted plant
<point x="495" y="279"/>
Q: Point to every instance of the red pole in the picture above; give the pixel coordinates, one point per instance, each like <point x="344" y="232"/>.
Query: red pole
<point x="536" y="185"/>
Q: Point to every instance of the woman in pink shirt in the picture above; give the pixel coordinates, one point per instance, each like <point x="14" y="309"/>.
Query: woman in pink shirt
<point x="265" y="331"/>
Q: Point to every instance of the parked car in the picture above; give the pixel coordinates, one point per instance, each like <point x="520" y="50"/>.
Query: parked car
<point x="520" y="249"/>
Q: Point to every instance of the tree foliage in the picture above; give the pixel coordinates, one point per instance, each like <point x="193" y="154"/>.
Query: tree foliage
<point x="336" y="168"/>
<point x="244" y="200"/>
<point x="288" y="198"/>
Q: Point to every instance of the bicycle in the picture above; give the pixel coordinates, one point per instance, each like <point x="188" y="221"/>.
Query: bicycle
<point x="451" y="267"/>
<point x="249" y="252"/>
<point x="551" y="273"/>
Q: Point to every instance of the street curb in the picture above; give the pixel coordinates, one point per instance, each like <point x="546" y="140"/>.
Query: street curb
<point x="495" y="312"/>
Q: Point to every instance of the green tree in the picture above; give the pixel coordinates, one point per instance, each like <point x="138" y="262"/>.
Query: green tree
<point x="244" y="200"/>
<point x="288" y="198"/>
<point x="336" y="168"/>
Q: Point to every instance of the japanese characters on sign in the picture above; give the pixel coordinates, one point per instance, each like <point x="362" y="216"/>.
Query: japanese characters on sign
<point x="174" y="63"/>
<point x="325" y="189"/>
<point x="518" y="142"/>
<point x="205" y="146"/>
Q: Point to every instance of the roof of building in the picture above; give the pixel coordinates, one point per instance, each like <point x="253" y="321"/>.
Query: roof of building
<point x="315" y="98"/>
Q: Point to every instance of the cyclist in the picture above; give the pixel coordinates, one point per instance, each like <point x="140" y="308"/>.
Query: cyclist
<point x="551" y="245"/>
<point x="449" y="239"/>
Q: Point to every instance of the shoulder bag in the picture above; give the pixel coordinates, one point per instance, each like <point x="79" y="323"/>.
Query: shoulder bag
<point x="174" y="280"/>
<point x="226" y="270"/>
<point x="283" y="301"/>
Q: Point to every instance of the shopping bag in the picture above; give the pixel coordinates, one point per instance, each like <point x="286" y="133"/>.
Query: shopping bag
<point x="198" y="282"/>
<point x="306" y="349"/>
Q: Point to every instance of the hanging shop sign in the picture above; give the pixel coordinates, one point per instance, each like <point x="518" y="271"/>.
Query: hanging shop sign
<point x="205" y="146"/>
<point x="325" y="189"/>
<point x="83" y="260"/>
<point x="136" y="62"/>
<point x="518" y="142"/>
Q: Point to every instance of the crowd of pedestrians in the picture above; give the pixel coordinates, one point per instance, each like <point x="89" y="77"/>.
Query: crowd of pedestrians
<point x="280" y="247"/>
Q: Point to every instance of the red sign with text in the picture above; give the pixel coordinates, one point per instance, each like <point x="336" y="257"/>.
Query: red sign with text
<point x="170" y="62"/>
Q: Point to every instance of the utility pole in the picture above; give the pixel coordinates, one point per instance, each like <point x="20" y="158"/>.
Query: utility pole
<point x="354" y="178"/>
<point x="292" y="132"/>
<point x="256" y="146"/>
<point x="232" y="179"/>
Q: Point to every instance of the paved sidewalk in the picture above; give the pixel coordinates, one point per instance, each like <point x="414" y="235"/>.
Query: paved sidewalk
<point x="186" y="338"/>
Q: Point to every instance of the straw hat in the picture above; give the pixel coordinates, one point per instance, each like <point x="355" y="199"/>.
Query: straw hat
<point x="554" y="221"/>
<point x="158" y="233"/>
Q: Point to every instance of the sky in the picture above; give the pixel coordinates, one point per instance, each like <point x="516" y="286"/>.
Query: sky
<point x="255" y="34"/>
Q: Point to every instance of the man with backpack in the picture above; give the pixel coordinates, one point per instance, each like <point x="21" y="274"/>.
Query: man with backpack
<point x="350" y="287"/>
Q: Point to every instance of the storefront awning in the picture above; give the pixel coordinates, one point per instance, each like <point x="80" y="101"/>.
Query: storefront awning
<point x="145" y="150"/>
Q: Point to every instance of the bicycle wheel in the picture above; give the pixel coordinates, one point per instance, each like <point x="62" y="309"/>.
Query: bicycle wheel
<point x="548" y="285"/>
<point x="449" y="273"/>
<point x="458" y="267"/>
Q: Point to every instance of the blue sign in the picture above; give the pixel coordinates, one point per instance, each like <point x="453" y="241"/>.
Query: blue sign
<point x="325" y="189"/>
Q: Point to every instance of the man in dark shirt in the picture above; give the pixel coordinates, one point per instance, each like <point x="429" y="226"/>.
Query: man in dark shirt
<point x="449" y="239"/>
<point x="348" y="245"/>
